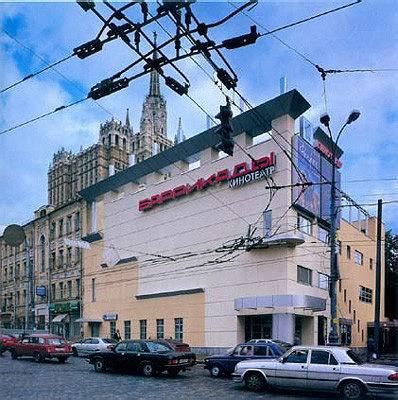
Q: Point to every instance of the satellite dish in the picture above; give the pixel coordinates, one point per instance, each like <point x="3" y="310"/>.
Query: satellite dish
<point x="14" y="235"/>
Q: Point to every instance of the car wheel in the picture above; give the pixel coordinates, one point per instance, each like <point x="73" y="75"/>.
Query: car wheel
<point x="352" y="391"/>
<point x="148" y="369"/>
<point x="62" y="360"/>
<point x="254" y="381"/>
<point x="38" y="357"/>
<point x="99" y="365"/>
<point x="215" y="371"/>
<point x="14" y="355"/>
<point x="75" y="353"/>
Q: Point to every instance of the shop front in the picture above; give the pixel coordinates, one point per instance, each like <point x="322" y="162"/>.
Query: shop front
<point x="63" y="317"/>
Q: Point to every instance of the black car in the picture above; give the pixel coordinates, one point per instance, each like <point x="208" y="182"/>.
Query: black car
<point x="148" y="357"/>
<point x="225" y="364"/>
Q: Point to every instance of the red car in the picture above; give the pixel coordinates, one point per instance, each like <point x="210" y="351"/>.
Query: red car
<point x="41" y="347"/>
<point x="6" y="342"/>
<point x="177" y="345"/>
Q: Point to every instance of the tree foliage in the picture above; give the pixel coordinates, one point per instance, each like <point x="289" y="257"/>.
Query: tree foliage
<point x="391" y="275"/>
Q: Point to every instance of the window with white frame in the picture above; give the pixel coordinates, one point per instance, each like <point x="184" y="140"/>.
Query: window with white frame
<point x="304" y="224"/>
<point x="179" y="328"/>
<point x="365" y="294"/>
<point x="358" y="257"/>
<point x="142" y="329"/>
<point x="323" y="282"/>
<point x="304" y="275"/>
<point x="159" y="328"/>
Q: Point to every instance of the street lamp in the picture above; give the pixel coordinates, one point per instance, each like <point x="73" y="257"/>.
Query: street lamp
<point x="334" y="269"/>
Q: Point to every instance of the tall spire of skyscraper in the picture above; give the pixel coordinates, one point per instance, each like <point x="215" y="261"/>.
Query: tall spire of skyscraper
<point x="127" y="119"/>
<point x="154" y="86"/>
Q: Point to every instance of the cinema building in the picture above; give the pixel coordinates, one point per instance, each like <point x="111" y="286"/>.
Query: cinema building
<point x="195" y="245"/>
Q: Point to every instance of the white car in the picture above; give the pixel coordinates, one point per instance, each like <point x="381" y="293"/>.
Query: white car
<point x="92" y="345"/>
<point x="319" y="369"/>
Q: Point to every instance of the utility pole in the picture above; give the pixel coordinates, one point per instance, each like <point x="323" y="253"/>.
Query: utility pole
<point x="378" y="277"/>
<point x="334" y="268"/>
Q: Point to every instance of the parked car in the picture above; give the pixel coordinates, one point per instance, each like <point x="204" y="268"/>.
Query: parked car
<point x="319" y="369"/>
<point x="225" y="364"/>
<point x="284" y="345"/>
<point x="6" y="342"/>
<point x="41" y="347"/>
<point x="177" y="345"/>
<point x="143" y="356"/>
<point x="92" y="345"/>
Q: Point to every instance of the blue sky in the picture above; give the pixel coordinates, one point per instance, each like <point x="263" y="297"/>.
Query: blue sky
<point x="362" y="36"/>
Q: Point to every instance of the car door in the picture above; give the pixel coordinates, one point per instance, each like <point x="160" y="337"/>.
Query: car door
<point x="94" y="345"/>
<point x="25" y="347"/>
<point x="291" y="371"/>
<point x="323" y="371"/>
<point x="240" y="353"/>
<point x="84" y="348"/>
<point x="117" y="358"/>
<point x="132" y="357"/>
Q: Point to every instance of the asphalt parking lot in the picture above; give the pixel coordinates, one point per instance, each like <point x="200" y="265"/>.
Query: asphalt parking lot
<point x="24" y="379"/>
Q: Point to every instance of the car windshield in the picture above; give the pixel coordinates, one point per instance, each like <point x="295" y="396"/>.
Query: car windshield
<point x="106" y="340"/>
<point x="56" y="341"/>
<point x="354" y="357"/>
<point x="155" y="347"/>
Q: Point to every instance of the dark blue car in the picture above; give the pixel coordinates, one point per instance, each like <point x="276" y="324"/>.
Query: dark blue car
<point x="225" y="364"/>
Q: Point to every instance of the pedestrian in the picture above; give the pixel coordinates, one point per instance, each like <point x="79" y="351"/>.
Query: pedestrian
<point x="117" y="336"/>
<point x="371" y="349"/>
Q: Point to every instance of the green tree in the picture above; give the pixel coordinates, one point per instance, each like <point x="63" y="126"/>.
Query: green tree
<point x="391" y="275"/>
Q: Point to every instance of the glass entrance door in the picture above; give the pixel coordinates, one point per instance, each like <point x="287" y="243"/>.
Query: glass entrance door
<point x="258" y="327"/>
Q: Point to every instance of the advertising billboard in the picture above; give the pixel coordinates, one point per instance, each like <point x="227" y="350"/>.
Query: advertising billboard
<point x="317" y="170"/>
<point x="308" y="162"/>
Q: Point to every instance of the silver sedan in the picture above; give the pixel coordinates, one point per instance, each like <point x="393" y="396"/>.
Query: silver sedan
<point x="91" y="345"/>
<point x="319" y="369"/>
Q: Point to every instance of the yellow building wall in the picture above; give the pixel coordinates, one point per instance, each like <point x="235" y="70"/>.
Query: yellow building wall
<point x="115" y="291"/>
<point x="353" y="275"/>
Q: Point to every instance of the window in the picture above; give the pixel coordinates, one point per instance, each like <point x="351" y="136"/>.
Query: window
<point x="359" y="325"/>
<point x="52" y="231"/>
<point x="69" y="289"/>
<point x="53" y="293"/>
<point x="262" y="351"/>
<point x="371" y="263"/>
<point x="349" y="252"/>
<point x="354" y="316"/>
<point x="61" y="290"/>
<point x="323" y="235"/>
<point x="338" y="244"/>
<point x="345" y="295"/>
<point x="179" y="328"/>
<point x="349" y="306"/>
<point x="77" y="221"/>
<point x="365" y="294"/>
<point x="267" y="220"/>
<point x="160" y="328"/>
<point x="43" y="253"/>
<point x="358" y="256"/>
<point x="127" y="329"/>
<point x="323" y="281"/>
<point x="69" y="256"/>
<point x="61" y="259"/>
<point x="304" y="224"/>
<point x="112" y="328"/>
<point x="362" y="335"/>
<point x="69" y="224"/>
<point x="320" y="357"/>
<point x="297" y="357"/>
<point x="142" y="329"/>
<point x="60" y="227"/>
<point x="304" y="275"/>
<point x="93" y="294"/>
<point x="53" y="260"/>
<point x="340" y="285"/>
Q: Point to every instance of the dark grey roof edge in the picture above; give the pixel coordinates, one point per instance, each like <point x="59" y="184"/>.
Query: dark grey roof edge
<point x="169" y="294"/>
<point x="254" y="122"/>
